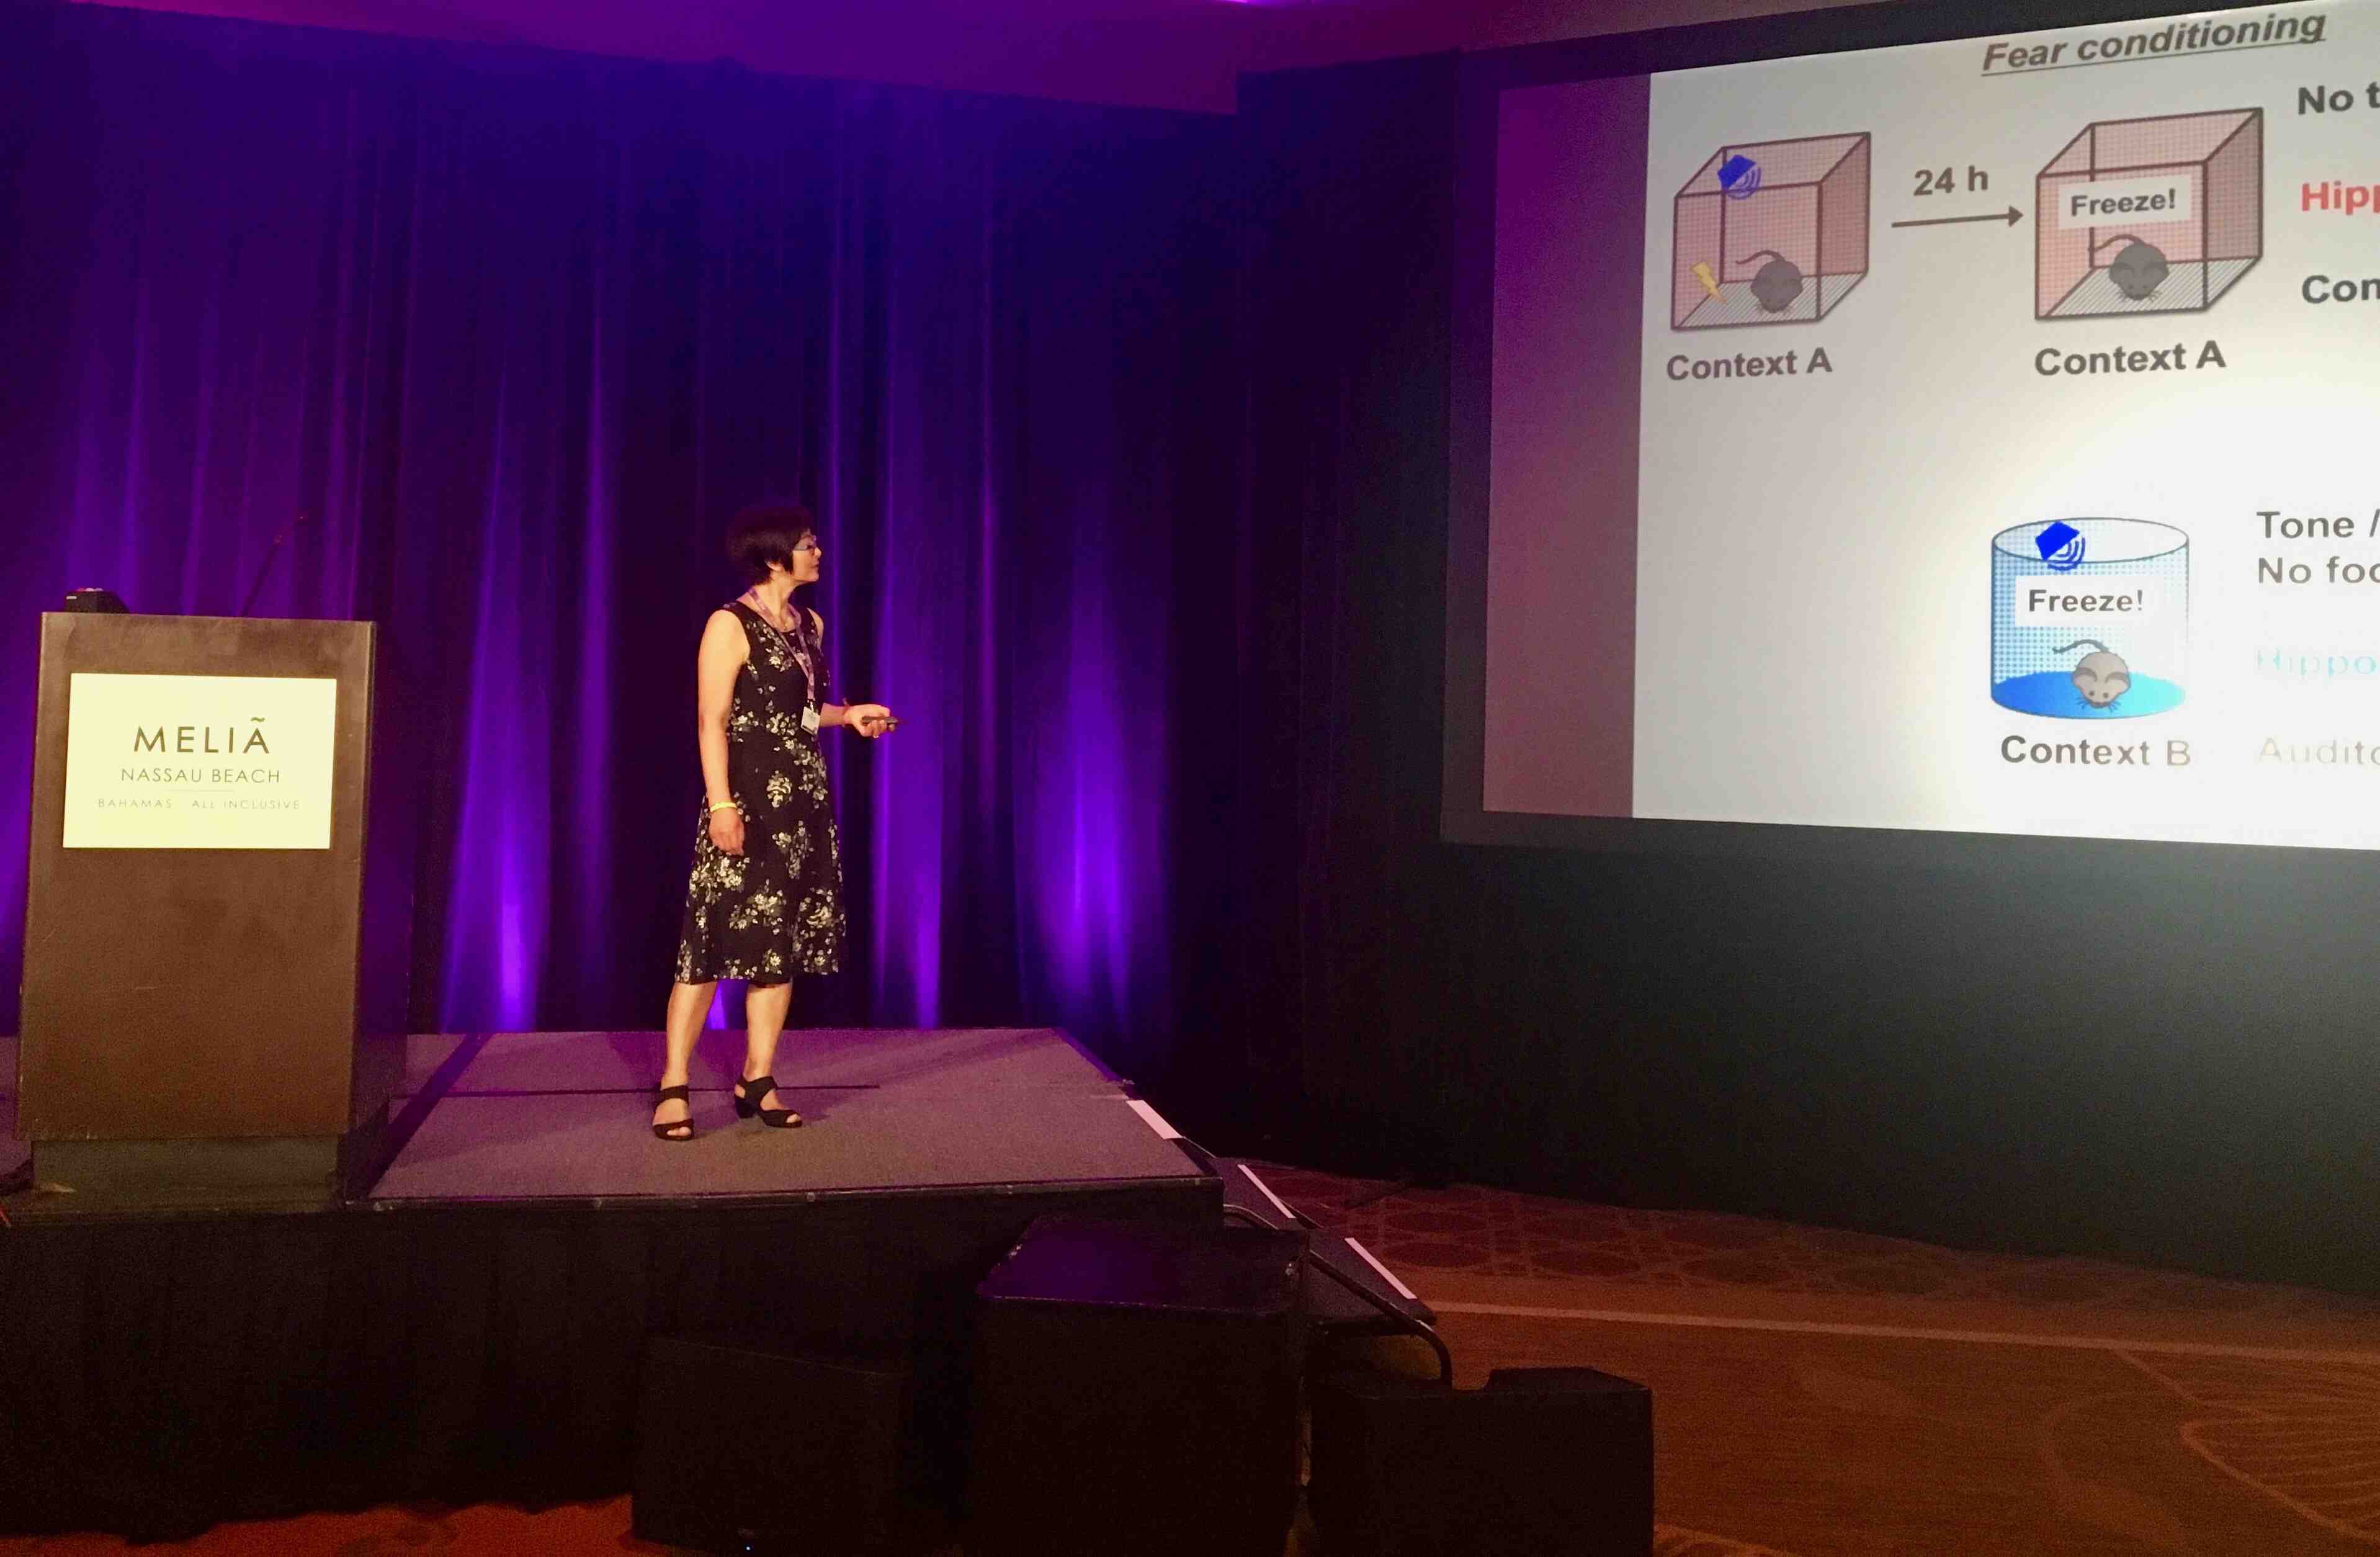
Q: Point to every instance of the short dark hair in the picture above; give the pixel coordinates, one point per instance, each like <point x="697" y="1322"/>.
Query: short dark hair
<point x="765" y="533"/>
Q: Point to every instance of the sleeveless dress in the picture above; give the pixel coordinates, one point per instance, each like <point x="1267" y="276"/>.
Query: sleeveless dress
<point x="777" y="909"/>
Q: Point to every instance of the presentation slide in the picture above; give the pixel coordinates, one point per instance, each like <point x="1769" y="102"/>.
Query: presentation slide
<point x="1978" y="436"/>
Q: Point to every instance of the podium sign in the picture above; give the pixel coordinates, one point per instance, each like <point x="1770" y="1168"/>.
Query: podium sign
<point x="194" y="900"/>
<point x="200" y="761"/>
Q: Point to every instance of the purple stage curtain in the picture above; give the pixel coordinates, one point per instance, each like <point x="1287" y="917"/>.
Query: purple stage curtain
<point x="515" y="333"/>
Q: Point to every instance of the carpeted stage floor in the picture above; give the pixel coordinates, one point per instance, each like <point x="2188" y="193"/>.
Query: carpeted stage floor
<point x="1817" y="1394"/>
<point x="561" y="1115"/>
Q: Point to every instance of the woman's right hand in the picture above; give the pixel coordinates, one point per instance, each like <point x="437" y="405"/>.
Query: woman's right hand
<point x="727" y="830"/>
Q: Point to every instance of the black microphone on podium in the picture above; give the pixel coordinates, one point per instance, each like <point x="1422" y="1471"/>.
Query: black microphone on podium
<point x="265" y="569"/>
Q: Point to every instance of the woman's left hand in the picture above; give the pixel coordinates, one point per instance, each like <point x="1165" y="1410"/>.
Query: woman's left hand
<point x="869" y="719"/>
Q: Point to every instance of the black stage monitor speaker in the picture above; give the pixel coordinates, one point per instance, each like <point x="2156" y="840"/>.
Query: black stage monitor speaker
<point x="1545" y="1462"/>
<point x="749" y="1444"/>
<point x="1135" y="1392"/>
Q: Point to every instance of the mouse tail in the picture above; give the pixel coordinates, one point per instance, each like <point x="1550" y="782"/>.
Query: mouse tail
<point x="2079" y="642"/>
<point x="1759" y="253"/>
<point x="2119" y="237"/>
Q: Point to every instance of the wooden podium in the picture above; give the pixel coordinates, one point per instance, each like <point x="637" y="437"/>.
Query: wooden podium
<point x="197" y="1028"/>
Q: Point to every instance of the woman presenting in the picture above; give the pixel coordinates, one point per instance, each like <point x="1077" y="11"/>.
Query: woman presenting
<point x="766" y="899"/>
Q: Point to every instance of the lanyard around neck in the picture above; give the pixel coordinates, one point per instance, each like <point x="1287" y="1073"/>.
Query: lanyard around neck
<point x="798" y="642"/>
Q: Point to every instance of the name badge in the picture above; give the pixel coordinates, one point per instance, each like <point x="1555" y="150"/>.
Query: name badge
<point x="811" y="720"/>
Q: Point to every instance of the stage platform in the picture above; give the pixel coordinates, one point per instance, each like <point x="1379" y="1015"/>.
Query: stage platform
<point x="562" y="1116"/>
<point x="472" y="1324"/>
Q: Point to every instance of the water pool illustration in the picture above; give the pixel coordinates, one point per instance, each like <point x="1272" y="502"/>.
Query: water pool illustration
<point x="2053" y="694"/>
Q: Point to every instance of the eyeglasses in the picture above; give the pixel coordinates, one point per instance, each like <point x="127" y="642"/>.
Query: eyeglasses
<point x="808" y="546"/>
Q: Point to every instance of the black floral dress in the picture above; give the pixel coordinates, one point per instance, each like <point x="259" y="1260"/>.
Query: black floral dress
<point x="777" y="909"/>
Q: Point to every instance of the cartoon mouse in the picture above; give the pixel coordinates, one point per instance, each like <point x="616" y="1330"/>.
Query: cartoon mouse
<point x="2138" y="270"/>
<point x="1775" y="284"/>
<point x="2101" y="675"/>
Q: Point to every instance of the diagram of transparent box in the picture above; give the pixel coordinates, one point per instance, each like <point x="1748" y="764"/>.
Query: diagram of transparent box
<point x="2156" y="216"/>
<point x="1770" y="232"/>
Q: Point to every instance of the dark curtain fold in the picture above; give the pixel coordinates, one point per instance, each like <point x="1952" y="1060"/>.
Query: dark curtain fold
<point x="1351" y="943"/>
<point x="514" y="332"/>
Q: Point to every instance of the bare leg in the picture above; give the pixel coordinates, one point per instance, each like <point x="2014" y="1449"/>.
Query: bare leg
<point x="688" y="1004"/>
<point x="764" y="1019"/>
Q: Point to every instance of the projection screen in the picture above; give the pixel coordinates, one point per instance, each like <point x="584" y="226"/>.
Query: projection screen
<point x="1972" y="436"/>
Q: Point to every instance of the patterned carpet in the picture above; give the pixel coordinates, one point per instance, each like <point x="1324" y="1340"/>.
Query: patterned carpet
<point x="1498" y="1233"/>
<point x="1821" y="1393"/>
<point x="1817" y="1394"/>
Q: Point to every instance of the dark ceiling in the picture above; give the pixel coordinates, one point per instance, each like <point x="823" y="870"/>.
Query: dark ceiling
<point x="1175" y="53"/>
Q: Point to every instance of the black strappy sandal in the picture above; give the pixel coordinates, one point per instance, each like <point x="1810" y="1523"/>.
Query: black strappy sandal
<point x="747" y="1103"/>
<point x="685" y="1096"/>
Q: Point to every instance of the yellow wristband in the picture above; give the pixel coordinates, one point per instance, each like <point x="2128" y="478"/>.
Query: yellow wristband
<point x="724" y="806"/>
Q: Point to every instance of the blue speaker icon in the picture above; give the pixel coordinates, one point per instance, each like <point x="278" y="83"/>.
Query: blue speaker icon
<point x="2060" y="546"/>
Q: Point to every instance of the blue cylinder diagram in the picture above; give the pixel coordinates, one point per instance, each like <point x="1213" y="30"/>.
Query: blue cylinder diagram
<point x="2090" y="617"/>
